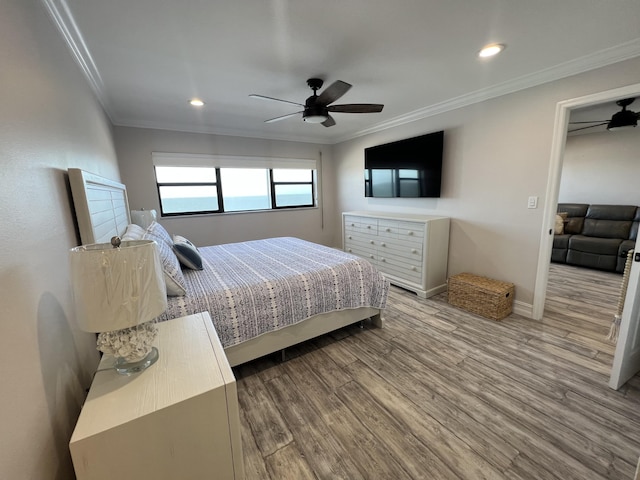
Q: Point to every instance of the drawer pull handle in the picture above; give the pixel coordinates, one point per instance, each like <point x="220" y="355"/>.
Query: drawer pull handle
<point x="383" y="244"/>
<point x="383" y="260"/>
<point x="349" y="250"/>
<point x="370" y="256"/>
<point x="388" y="230"/>
<point x="413" y="250"/>
<point x="368" y="226"/>
<point x="410" y="232"/>
<point x="371" y="242"/>
<point x="353" y="224"/>
<point x="413" y="268"/>
<point x="349" y="237"/>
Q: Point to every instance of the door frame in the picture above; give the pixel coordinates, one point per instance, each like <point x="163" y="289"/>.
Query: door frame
<point x="563" y="111"/>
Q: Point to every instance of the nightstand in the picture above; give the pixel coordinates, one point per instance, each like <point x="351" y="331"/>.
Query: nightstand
<point x="178" y="419"/>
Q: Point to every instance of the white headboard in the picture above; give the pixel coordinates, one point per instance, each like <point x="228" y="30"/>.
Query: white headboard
<point x="101" y="205"/>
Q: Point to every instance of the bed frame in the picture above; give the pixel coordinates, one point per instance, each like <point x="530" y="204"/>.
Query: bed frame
<point x="102" y="211"/>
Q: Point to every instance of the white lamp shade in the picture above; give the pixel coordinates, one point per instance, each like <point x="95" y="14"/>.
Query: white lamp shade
<point x="116" y="288"/>
<point x="143" y="218"/>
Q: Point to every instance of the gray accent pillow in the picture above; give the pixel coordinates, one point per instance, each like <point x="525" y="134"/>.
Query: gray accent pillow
<point x="187" y="253"/>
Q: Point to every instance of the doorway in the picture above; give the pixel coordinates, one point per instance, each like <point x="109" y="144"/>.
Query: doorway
<point x="563" y="110"/>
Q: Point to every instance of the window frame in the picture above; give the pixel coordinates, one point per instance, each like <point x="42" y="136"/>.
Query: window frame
<point x="311" y="182"/>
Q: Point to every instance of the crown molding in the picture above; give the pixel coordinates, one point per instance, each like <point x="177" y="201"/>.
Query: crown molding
<point x="64" y="21"/>
<point x="228" y="132"/>
<point x="598" y="59"/>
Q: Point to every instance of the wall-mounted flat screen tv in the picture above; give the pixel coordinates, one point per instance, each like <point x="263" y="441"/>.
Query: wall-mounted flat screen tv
<point x="406" y="168"/>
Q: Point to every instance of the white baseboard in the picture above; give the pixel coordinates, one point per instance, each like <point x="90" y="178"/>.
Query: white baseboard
<point x="524" y="309"/>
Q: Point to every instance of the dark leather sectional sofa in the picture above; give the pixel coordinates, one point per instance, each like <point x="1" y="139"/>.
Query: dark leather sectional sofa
<point x="596" y="236"/>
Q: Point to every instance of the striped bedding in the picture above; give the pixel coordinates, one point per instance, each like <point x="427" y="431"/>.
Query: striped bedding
<point x="255" y="287"/>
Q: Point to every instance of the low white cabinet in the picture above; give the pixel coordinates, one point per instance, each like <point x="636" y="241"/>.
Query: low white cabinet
<point x="410" y="250"/>
<point x="178" y="419"/>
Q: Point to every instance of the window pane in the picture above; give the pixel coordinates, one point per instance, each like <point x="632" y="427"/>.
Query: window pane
<point x="185" y="174"/>
<point x="294" y="195"/>
<point x="189" y="199"/>
<point x="408" y="173"/>
<point x="291" y="175"/>
<point x="245" y="189"/>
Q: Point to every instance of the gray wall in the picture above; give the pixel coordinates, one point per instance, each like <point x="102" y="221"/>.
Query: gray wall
<point x="49" y="121"/>
<point x="602" y="168"/>
<point x="135" y="145"/>
<point x="497" y="153"/>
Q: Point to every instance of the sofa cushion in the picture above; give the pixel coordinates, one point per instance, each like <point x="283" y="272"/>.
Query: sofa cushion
<point x="624" y="248"/>
<point x="611" y="212"/>
<point x="617" y="229"/>
<point x="561" y="241"/>
<point x="633" y="234"/>
<point x="599" y="246"/>
<point x="575" y="216"/>
<point x="592" y="260"/>
<point x="574" y="209"/>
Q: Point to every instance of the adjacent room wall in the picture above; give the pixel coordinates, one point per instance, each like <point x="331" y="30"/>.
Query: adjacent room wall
<point x="497" y="154"/>
<point x="135" y="145"/>
<point x="602" y="168"/>
<point x="49" y="121"/>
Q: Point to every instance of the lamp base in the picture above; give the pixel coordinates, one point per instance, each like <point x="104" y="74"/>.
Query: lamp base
<point x="129" y="368"/>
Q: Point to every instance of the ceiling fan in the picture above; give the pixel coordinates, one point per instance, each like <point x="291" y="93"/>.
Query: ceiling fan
<point x="622" y="119"/>
<point x="317" y="108"/>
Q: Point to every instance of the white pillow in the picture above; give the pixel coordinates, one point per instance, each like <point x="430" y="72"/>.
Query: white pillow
<point x="133" y="232"/>
<point x="559" y="226"/>
<point x="173" y="277"/>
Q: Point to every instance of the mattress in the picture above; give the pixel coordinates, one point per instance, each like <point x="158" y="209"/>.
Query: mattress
<point x="252" y="288"/>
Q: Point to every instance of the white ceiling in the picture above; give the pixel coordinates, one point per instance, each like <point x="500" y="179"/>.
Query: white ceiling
<point x="146" y="58"/>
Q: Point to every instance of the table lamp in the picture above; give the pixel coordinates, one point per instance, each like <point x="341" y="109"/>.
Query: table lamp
<point x="143" y="217"/>
<point x="118" y="291"/>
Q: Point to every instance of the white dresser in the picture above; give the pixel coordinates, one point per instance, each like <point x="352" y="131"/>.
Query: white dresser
<point x="177" y="419"/>
<point x="410" y="250"/>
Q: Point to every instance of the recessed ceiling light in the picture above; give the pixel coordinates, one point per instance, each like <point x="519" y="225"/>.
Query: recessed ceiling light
<point x="491" y="50"/>
<point x="196" y="102"/>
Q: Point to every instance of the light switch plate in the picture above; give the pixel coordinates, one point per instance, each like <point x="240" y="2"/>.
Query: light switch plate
<point x="533" y="202"/>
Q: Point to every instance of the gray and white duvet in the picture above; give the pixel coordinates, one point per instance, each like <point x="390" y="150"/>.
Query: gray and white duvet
<point x="255" y="287"/>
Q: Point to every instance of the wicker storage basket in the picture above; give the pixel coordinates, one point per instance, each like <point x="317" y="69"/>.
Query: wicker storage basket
<point x="484" y="296"/>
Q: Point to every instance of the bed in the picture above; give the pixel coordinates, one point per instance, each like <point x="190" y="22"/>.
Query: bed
<point x="263" y="296"/>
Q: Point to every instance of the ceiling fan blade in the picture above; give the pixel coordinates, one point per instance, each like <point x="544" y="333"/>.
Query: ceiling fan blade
<point x="329" y="122"/>
<point x="262" y="97"/>
<point x="333" y="92"/>
<point x="592" y="121"/>
<point x="356" y="108"/>
<point x="282" y="117"/>
<point x="590" y="126"/>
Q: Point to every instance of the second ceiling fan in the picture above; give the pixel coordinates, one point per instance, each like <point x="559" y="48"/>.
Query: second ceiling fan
<point x="622" y="119"/>
<point x="318" y="108"/>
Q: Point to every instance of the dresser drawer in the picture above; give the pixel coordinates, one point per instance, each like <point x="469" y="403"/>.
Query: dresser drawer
<point x="410" y="230"/>
<point x="410" y="252"/>
<point x="361" y="224"/>
<point x="414" y="276"/>
<point x="388" y="228"/>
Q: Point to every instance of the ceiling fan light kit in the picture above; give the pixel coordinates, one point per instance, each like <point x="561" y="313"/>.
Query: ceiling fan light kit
<point x="624" y="118"/>
<point x="317" y="107"/>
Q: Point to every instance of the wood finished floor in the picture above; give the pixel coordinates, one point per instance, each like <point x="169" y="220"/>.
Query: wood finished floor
<point x="443" y="394"/>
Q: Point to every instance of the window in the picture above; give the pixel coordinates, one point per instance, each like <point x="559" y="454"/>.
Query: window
<point x="195" y="184"/>
<point x="187" y="189"/>
<point x="292" y="188"/>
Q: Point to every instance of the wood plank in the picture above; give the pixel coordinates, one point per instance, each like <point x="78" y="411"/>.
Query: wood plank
<point x="288" y="463"/>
